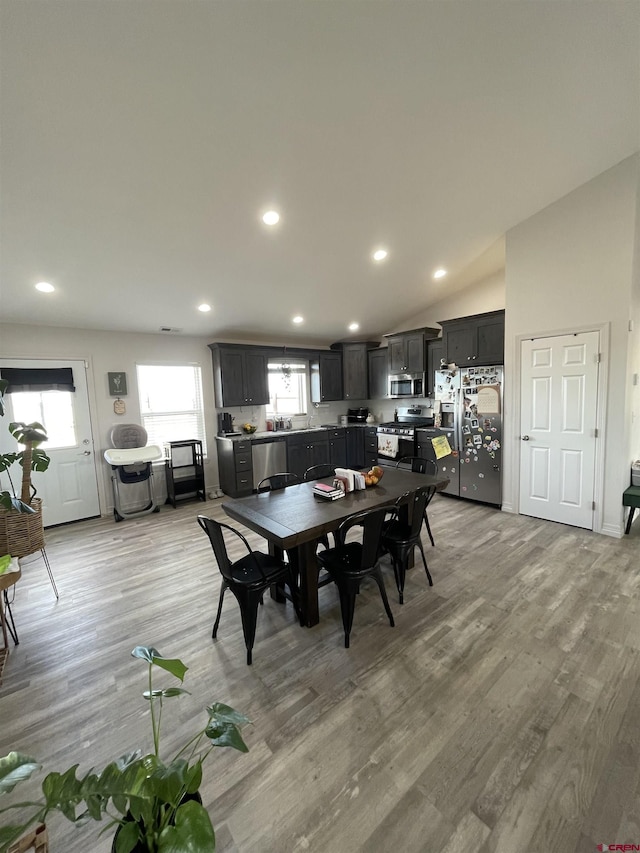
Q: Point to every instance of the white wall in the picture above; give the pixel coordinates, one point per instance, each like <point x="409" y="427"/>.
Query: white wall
<point x="117" y="351"/>
<point x="479" y="298"/>
<point x="571" y="267"/>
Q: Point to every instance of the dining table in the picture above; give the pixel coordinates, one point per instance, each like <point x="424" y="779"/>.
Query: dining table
<point x="294" y="518"/>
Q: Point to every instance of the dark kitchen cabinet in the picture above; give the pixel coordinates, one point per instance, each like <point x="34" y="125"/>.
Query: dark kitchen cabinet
<point x="235" y="466"/>
<point x="240" y="376"/>
<point x="306" y="449"/>
<point x="355" y="446"/>
<point x="326" y="377"/>
<point x="406" y="353"/>
<point x="338" y="448"/>
<point x="378" y="373"/>
<point x="370" y="441"/>
<point x="435" y="351"/>
<point x="478" y="339"/>
<point x="355" y="371"/>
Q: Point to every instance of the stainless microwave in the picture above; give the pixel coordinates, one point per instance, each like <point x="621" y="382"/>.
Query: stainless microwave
<point x="407" y="385"/>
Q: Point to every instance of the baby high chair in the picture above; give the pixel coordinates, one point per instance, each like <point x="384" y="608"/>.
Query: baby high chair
<point x="131" y="462"/>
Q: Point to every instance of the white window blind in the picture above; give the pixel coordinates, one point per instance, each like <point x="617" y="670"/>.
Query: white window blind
<point x="171" y="403"/>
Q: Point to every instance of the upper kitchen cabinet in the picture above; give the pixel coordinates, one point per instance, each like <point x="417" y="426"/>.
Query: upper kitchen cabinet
<point x="378" y="373"/>
<point x="355" y="371"/>
<point x="478" y="339"/>
<point x="326" y="377"/>
<point x="435" y="352"/>
<point x="240" y="376"/>
<point x="407" y="351"/>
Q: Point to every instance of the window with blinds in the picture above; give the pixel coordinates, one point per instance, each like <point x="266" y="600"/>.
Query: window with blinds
<point x="171" y="405"/>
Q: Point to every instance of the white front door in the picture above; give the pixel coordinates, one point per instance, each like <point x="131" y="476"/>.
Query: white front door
<point x="69" y="488"/>
<point x="558" y="408"/>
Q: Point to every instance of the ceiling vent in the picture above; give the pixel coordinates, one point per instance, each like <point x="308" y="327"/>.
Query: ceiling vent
<point x="169" y="329"/>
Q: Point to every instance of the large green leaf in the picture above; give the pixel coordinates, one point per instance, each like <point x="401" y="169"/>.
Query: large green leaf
<point x="225" y="734"/>
<point x="151" y="655"/>
<point x="166" y="693"/>
<point x="226" y="714"/>
<point x="7" y="460"/>
<point x="192" y="833"/>
<point x="33" y="433"/>
<point x="127" y="837"/>
<point x="14" y="768"/>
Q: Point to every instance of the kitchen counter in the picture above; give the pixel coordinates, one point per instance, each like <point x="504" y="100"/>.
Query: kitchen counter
<point x="275" y="435"/>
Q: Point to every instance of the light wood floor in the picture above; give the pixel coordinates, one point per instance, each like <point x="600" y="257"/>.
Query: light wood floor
<point x="502" y="713"/>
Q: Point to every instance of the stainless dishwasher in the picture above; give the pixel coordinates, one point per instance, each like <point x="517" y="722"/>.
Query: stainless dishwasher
<point x="268" y="457"/>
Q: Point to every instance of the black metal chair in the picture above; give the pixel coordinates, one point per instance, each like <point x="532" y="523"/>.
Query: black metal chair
<point x="400" y="537"/>
<point x="248" y="578"/>
<point x="317" y="472"/>
<point x="349" y="563"/>
<point x="421" y="466"/>
<point x="277" y="481"/>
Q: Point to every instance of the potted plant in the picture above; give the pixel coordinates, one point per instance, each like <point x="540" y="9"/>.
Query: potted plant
<point x="153" y="803"/>
<point x="21" y="530"/>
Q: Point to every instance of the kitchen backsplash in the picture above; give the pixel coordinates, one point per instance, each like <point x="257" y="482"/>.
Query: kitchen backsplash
<point x="325" y="413"/>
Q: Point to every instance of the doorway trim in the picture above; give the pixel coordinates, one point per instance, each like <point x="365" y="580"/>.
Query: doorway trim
<point x="603" y="383"/>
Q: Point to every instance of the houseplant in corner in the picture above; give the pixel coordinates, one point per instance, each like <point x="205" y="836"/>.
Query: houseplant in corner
<point x="21" y="530"/>
<point x="153" y="804"/>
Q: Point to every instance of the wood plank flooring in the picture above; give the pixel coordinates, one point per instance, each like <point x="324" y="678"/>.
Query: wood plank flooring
<point x="500" y="715"/>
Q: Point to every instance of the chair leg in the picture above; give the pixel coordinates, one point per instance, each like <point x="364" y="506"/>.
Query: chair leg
<point x="424" y="560"/>
<point x="347" y="594"/>
<point x="426" y="521"/>
<point x="8" y="619"/>
<point x="400" y="570"/>
<point x="376" y="574"/>
<point x="248" y="601"/>
<point x="223" y="587"/>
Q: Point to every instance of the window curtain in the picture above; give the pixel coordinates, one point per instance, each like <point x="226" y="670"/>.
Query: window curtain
<point x="38" y="379"/>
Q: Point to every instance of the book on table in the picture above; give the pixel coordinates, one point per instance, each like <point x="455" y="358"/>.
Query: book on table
<point x="330" y="493"/>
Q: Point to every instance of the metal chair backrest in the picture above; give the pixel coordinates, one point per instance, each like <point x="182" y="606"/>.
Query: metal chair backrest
<point x="371" y="521"/>
<point x="277" y="481"/>
<point x="418" y="464"/>
<point x="317" y="472"/>
<point x="214" y="530"/>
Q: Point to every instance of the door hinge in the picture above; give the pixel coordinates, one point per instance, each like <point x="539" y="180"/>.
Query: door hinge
<point x="598" y="357"/>
<point x="593" y="504"/>
<point x="595" y="433"/>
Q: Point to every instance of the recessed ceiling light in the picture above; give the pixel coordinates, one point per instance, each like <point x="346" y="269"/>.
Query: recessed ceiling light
<point x="440" y="273"/>
<point x="271" y="217"/>
<point x="204" y="307"/>
<point x="298" y="319"/>
<point x="45" y="287"/>
<point x="353" y="327"/>
<point x="380" y="254"/>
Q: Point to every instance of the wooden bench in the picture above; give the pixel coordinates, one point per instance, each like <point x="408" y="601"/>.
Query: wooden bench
<point x="631" y="498"/>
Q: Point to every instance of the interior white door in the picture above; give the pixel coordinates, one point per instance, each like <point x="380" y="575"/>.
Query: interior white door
<point x="558" y="408"/>
<point x="69" y="488"/>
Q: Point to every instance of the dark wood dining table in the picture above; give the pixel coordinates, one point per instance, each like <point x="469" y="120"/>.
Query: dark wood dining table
<point x="293" y="518"/>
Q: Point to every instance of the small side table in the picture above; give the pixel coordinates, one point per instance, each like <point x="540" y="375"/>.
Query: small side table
<point x="185" y="458"/>
<point x="7" y="580"/>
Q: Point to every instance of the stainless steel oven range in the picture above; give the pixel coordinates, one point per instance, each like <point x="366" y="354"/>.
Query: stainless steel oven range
<point x="397" y="438"/>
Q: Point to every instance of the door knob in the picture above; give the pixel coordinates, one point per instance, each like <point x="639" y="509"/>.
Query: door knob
<point x="85" y="453"/>
<point x="525" y="438"/>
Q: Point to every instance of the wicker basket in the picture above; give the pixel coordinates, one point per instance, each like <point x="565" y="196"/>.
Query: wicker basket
<point x="21" y="533"/>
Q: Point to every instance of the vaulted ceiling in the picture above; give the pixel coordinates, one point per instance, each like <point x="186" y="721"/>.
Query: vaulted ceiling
<point x="143" y="140"/>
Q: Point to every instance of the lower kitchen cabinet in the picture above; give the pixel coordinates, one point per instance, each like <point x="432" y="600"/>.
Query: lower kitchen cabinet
<point x="235" y="467"/>
<point x="306" y="449"/>
<point x="337" y="448"/>
<point x="370" y="441"/>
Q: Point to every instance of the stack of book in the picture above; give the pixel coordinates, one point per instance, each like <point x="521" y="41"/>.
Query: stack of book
<point x="329" y="493"/>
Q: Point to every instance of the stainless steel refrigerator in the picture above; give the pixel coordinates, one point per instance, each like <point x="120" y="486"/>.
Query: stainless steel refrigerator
<point x="471" y="414"/>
